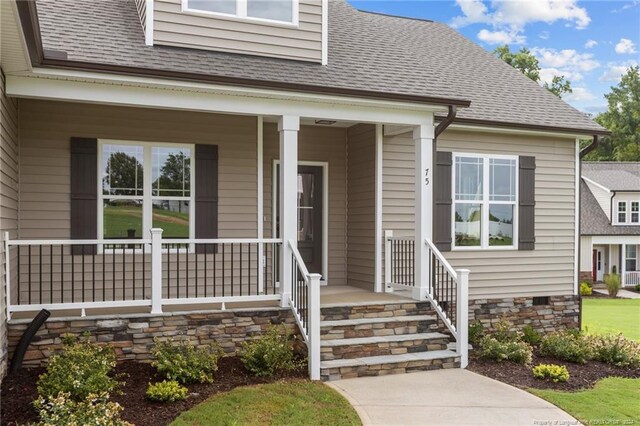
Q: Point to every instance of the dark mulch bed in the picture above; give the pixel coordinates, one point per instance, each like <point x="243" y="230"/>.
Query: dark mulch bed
<point x="581" y="375"/>
<point x="19" y="391"/>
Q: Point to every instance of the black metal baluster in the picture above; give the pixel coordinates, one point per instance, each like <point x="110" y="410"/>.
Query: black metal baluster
<point x="104" y="278"/>
<point x="124" y="268"/>
<point x="50" y="272"/>
<point x="40" y="274"/>
<point x="113" y="272"/>
<point x="144" y="272"/>
<point x="187" y="273"/>
<point x="133" y="265"/>
<point x="241" y="267"/>
<point x="224" y="267"/>
<point x="206" y="269"/>
<point x="196" y="273"/>
<point x="232" y="267"/>
<point x="84" y="247"/>
<point x="215" y="268"/>
<point x="168" y="270"/>
<point x="61" y="273"/>
<point x="29" y="257"/>
<point x="93" y="274"/>
<point x="73" y="276"/>
<point x="19" y="277"/>
<point x="178" y="269"/>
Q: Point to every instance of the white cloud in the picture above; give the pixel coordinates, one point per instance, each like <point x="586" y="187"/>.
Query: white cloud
<point x="547" y="74"/>
<point x="615" y="70"/>
<point x="590" y="44"/>
<point x="568" y="60"/>
<point x="517" y="14"/>
<point x="500" y="37"/>
<point x="544" y="35"/>
<point x="625" y="46"/>
<point x="579" y="94"/>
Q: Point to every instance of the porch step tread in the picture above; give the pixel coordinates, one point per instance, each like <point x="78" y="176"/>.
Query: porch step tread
<point x="382" y="339"/>
<point x="388" y="359"/>
<point x="361" y="321"/>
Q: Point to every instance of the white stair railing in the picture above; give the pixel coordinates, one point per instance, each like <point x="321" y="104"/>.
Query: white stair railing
<point x="305" y="305"/>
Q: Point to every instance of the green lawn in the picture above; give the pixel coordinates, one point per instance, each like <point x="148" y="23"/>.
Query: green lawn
<point x="117" y="219"/>
<point x="284" y="403"/>
<point x="606" y="316"/>
<point x="612" y="401"/>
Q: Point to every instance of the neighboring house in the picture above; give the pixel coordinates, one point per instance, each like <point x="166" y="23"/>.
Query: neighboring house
<point x="610" y="221"/>
<point x="204" y="166"/>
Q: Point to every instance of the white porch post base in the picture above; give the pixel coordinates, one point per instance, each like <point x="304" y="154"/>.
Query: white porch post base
<point x="314" y="326"/>
<point x="288" y="126"/>
<point x="423" y="139"/>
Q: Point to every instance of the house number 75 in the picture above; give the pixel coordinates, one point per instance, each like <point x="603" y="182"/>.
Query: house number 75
<point x="426" y="176"/>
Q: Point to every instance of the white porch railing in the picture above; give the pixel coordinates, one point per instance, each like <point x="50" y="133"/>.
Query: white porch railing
<point x="305" y="305"/>
<point x="631" y="278"/>
<point x="446" y="289"/>
<point x="154" y="272"/>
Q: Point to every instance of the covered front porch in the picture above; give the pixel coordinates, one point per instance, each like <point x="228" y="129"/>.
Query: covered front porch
<point x="616" y="258"/>
<point x="152" y="210"/>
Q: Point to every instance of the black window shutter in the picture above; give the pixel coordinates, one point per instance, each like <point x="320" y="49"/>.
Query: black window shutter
<point x="84" y="193"/>
<point x="206" y="197"/>
<point x="527" y="203"/>
<point x="442" y="201"/>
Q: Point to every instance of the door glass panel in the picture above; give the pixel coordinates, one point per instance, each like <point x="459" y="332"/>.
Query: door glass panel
<point x="306" y="202"/>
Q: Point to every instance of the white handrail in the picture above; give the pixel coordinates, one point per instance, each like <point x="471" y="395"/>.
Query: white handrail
<point x="442" y="259"/>
<point x="77" y="242"/>
<point x="220" y="240"/>
<point x="303" y="268"/>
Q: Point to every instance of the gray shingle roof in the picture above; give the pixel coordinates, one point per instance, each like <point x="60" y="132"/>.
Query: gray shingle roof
<point x="366" y="52"/>
<point x="615" y="176"/>
<point x="594" y="221"/>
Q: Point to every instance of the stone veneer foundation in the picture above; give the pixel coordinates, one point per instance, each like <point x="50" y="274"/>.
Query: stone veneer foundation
<point x="132" y="335"/>
<point x="561" y="312"/>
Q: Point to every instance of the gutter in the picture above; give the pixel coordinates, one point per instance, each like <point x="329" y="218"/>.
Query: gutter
<point x="589" y="148"/>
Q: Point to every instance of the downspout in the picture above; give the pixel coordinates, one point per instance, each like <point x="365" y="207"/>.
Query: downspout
<point x="593" y="145"/>
<point x="441" y="127"/>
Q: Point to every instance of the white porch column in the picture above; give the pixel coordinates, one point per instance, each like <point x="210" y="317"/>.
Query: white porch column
<point x="423" y="140"/>
<point x="288" y="126"/>
<point x="623" y="265"/>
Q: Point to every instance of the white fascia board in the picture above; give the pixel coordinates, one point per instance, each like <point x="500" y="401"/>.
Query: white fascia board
<point x="596" y="184"/>
<point x="171" y="94"/>
<point x="514" y="131"/>
<point x="615" y="239"/>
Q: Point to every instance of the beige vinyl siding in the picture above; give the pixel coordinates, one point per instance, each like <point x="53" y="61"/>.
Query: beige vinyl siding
<point x="547" y="270"/>
<point x="321" y="144"/>
<point x="141" y="6"/>
<point x="47" y="126"/>
<point x="586" y="256"/>
<point x="9" y="154"/>
<point x="603" y="198"/>
<point x="361" y="147"/>
<point x="176" y="28"/>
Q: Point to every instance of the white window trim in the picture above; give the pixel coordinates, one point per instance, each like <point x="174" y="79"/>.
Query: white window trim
<point x="631" y="212"/>
<point x="627" y="213"/>
<point x="241" y="14"/>
<point x="147" y="198"/>
<point x="485" y="202"/>
<point x="637" y="258"/>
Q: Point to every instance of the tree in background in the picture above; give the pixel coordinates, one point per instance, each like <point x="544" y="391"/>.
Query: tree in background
<point x="527" y="64"/>
<point x="622" y="119"/>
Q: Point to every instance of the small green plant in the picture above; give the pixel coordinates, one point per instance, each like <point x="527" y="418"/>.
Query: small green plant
<point x="585" y="289"/>
<point x="553" y="372"/>
<point x="94" y="410"/>
<point x="476" y="331"/>
<point x="530" y="335"/>
<point x="185" y="363"/>
<point x="504" y="344"/>
<point x="637" y="287"/>
<point x="615" y="349"/>
<point x="81" y="369"/>
<point x="612" y="281"/>
<point x="567" y="345"/>
<point x="270" y="353"/>
<point x="166" y="391"/>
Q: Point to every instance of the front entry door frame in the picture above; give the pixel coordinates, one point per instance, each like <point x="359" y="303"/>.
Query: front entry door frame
<point x="325" y="209"/>
<point x="599" y="263"/>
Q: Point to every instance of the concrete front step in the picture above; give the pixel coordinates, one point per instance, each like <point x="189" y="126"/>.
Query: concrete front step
<point x="385" y="326"/>
<point x="388" y="364"/>
<point x="382" y="345"/>
<point x="374" y="310"/>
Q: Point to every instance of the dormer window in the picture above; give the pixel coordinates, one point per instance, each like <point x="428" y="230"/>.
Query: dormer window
<point x="277" y="11"/>
<point x="627" y="213"/>
<point x="622" y="211"/>
<point x="635" y="212"/>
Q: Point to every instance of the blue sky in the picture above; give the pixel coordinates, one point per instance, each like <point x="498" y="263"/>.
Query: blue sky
<point x="589" y="42"/>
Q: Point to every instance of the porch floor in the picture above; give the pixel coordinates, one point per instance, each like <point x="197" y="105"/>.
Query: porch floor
<point x="329" y="296"/>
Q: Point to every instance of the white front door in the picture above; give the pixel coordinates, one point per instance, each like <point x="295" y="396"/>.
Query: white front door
<point x="599" y="264"/>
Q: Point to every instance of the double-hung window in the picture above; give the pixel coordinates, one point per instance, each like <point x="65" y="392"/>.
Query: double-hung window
<point x="635" y="212"/>
<point x="279" y="11"/>
<point x="485" y="201"/>
<point x="144" y="186"/>
<point x="622" y="211"/>
<point x="631" y="258"/>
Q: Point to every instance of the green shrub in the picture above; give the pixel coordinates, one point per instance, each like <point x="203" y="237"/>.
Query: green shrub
<point x="568" y="345"/>
<point x="476" y="331"/>
<point x="553" y="372"/>
<point x="514" y="351"/>
<point x="94" y="410"/>
<point x="185" y="363"/>
<point x="637" y="287"/>
<point x="270" y="353"/>
<point x="505" y="344"/>
<point x="166" y="391"/>
<point x="81" y="369"/>
<point x="585" y="289"/>
<point x="530" y="335"/>
<point x="615" y="349"/>
<point x="612" y="281"/>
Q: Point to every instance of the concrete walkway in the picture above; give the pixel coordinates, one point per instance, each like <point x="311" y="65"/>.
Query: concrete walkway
<point x="622" y="293"/>
<point x="446" y="397"/>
